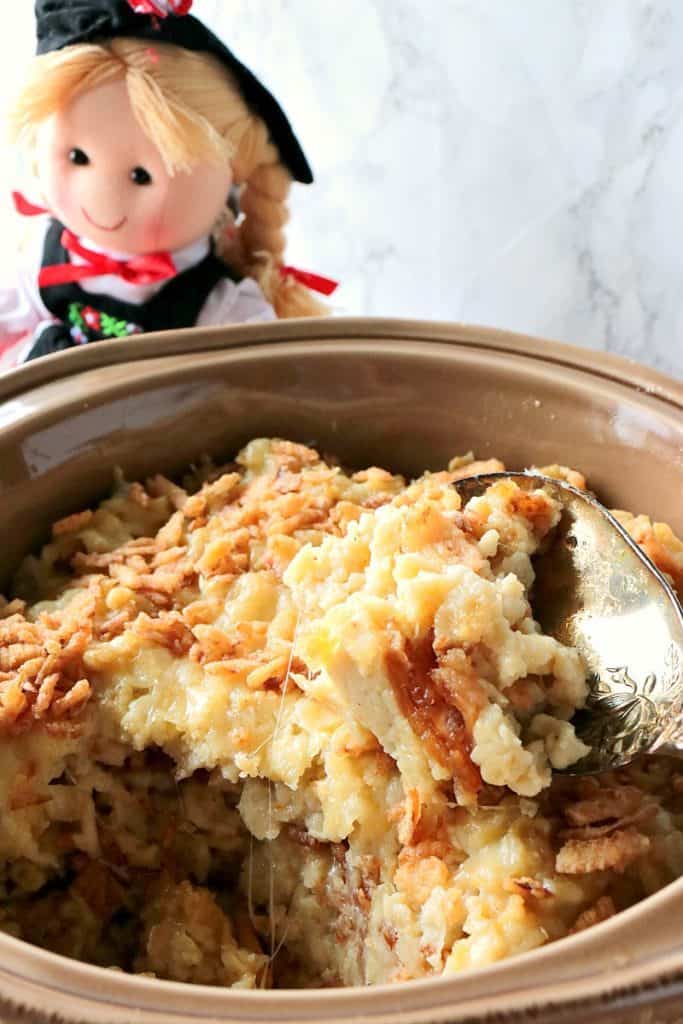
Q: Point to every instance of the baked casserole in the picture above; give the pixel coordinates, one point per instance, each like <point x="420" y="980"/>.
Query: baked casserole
<point x="291" y="726"/>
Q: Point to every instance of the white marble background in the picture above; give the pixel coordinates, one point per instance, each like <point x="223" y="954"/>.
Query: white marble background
<point x="514" y="164"/>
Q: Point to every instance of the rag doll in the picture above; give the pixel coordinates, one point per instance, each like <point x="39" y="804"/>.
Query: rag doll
<point x="146" y="134"/>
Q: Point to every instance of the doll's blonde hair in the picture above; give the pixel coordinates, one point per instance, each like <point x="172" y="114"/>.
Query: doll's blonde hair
<point x="189" y="106"/>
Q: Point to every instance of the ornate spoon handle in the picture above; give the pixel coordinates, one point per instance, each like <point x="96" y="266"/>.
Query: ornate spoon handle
<point x="597" y="591"/>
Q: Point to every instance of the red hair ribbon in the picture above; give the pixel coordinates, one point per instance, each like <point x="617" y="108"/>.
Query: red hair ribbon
<point x="324" y="285"/>
<point x="149" y="269"/>
<point x="161" y="8"/>
<point x="26" y="208"/>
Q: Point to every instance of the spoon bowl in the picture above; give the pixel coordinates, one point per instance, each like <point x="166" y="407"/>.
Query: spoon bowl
<point x="597" y="591"/>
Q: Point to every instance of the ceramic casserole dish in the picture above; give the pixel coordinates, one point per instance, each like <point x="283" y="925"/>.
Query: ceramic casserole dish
<point x="397" y="394"/>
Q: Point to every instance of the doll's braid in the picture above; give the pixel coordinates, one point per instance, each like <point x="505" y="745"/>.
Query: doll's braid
<point x="260" y="242"/>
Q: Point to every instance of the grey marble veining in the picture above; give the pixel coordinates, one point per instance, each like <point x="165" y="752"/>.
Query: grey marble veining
<point x="519" y="165"/>
<point x="514" y="164"/>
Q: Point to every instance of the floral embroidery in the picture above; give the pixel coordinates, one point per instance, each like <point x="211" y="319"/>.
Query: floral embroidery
<point x="161" y="8"/>
<point x="89" y="324"/>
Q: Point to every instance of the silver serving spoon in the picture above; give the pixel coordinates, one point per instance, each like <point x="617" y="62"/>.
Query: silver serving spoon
<point x="596" y="590"/>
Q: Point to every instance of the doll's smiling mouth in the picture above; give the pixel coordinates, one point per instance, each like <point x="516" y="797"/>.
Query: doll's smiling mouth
<point x="102" y="227"/>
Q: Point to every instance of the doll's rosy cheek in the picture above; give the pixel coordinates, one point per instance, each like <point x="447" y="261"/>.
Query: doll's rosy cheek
<point x="61" y="190"/>
<point x="54" y="173"/>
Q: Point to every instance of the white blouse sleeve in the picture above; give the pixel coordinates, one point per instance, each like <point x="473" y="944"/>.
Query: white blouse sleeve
<point x="231" y="303"/>
<point x="21" y="307"/>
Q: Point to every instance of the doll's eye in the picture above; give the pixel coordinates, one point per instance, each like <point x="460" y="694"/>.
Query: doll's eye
<point x="78" y="157"/>
<point x="139" y="176"/>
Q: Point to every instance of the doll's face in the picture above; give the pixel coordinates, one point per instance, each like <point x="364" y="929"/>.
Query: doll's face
<point x="106" y="181"/>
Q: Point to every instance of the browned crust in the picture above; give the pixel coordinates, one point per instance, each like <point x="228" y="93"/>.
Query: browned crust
<point x="428" y="697"/>
<point x="527" y="888"/>
<point x="601" y="910"/>
<point x="615" y="851"/>
<point x="536" y="508"/>
<point x="42" y="676"/>
<point x="608" y="803"/>
<point x="478" y="467"/>
<point x="73" y="523"/>
<point x="659" y="543"/>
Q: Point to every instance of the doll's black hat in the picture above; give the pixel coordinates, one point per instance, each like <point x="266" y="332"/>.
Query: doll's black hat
<point x="63" y="23"/>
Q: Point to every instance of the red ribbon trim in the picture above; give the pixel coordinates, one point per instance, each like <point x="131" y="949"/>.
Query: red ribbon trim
<point x="155" y="10"/>
<point x="26" y="208"/>
<point x="149" y="269"/>
<point x="141" y="270"/>
<point x="317" y="283"/>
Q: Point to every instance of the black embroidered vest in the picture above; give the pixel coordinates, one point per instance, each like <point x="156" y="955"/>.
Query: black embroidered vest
<point x="87" y="316"/>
